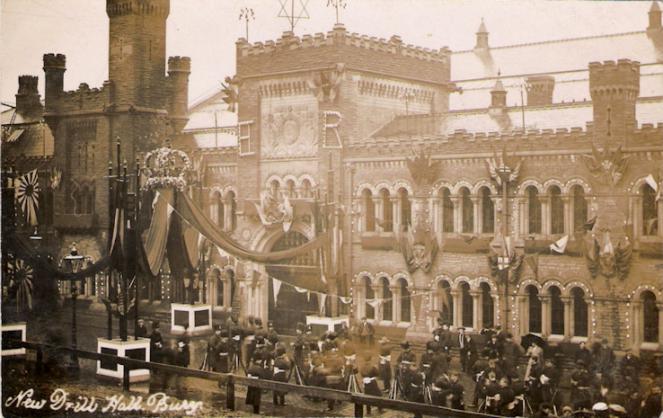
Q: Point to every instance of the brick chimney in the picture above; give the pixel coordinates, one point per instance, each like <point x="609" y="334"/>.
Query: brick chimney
<point x="540" y="90"/>
<point x="28" y="99"/>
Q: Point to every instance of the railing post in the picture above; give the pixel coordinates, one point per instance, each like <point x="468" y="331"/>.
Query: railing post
<point x="230" y="393"/>
<point x="359" y="410"/>
<point x="39" y="361"/>
<point x="125" y="377"/>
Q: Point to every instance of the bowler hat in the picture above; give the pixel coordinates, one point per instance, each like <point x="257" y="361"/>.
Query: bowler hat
<point x="405" y="344"/>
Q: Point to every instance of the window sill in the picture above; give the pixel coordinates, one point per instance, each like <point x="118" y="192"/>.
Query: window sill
<point x="556" y="338"/>
<point x="649" y="346"/>
<point x="403" y="324"/>
<point x="579" y="340"/>
<point x="385" y="323"/>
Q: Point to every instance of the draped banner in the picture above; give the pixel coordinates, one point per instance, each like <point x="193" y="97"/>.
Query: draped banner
<point x="155" y="238"/>
<point x="196" y="218"/>
<point x="346" y="299"/>
<point x="276" y="284"/>
<point x="322" y="298"/>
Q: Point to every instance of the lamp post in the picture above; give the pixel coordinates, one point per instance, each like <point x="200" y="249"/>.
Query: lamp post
<point x="73" y="263"/>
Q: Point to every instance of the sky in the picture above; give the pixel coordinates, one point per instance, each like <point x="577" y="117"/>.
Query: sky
<point x="206" y="30"/>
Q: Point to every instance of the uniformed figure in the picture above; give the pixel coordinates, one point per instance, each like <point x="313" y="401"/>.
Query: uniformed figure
<point x="384" y="364"/>
<point x="255" y="371"/>
<point x="299" y="346"/>
<point x="581" y="396"/>
<point x="406" y="357"/>
<point x="630" y="365"/>
<point x="156" y="343"/>
<point x="453" y="394"/>
<point x="222" y="352"/>
<point x="281" y="373"/>
<point x="468" y="352"/>
<point x="427" y="362"/>
<point x="493" y="347"/>
<point x="272" y="335"/>
<point x="369" y="375"/>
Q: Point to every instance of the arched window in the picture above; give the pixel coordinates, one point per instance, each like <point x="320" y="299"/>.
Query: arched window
<point x="487" y="211"/>
<point x="534" y="308"/>
<point x="369" y="210"/>
<point x="556" y="210"/>
<point x="445" y="301"/>
<point x="217" y="209"/>
<point x="556" y="311"/>
<point x="650" y="317"/>
<point x="467" y="210"/>
<point x="387" y="311"/>
<point x="533" y="210"/>
<point x="231" y="201"/>
<point x="274" y="187"/>
<point x="220" y="287"/>
<point x="447" y="211"/>
<point x="306" y="188"/>
<point x="579" y="210"/>
<point x="290" y="185"/>
<point x="406" y="208"/>
<point x="649" y="215"/>
<point x="89" y="205"/>
<point x="369" y="295"/>
<point x="467" y="305"/>
<point x="487" y="307"/>
<point x="580" y="319"/>
<point x="387" y="211"/>
<point x="405" y="300"/>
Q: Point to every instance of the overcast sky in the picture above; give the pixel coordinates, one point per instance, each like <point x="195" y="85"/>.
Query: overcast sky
<point x="206" y="30"/>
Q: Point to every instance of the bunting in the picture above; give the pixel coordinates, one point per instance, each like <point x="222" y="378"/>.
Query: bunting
<point x="276" y="286"/>
<point x="559" y="246"/>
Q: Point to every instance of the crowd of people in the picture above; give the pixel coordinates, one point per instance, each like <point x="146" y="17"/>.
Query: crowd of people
<point x="502" y="384"/>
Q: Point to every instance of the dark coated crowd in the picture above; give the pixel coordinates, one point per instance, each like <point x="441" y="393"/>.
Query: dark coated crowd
<point x="350" y="359"/>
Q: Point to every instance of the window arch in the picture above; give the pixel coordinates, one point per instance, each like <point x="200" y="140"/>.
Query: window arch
<point x="556" y="311"/>
<point x="534" y="308"/>
<point x="387" y="211"/>
<point x="487" y="306"/>
<point x="405" y="300"/>
<point x="231" y="201"/>
<point x="447" y="211"/>
<point x="306" y="188"/>
<point x="556" y="210"/>
<point x="467" y="209"/>
<point x="406" y="208"/>
<point x="649" y="317"/>
<point x="579" y="207"/>
<point x="533" y="210"/>
<point x="387" y="296"/>
<point x="369" y="210"/>
<point x="274" y="187"/>
<point x="580" y="317"/>
<point x="217" y="211"/>
<point x="467" y="304"/>
<point x="649" y="214"/>
<point x="369" y="295"/>
<point x="487" y="211"/>
<point x="445" y="301"/>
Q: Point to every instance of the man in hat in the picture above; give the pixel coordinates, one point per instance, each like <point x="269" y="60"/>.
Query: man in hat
<point x="156" y="343"/>
<point x="366" y="332"/>
<point x="299" y="346"/>
<point x="427" y="363"/>
<point x="369" y="375"/>
<point x="384" y="363"/>
<point x="494" y="347"/>
<point x="630" y="365"/>
<point x="255" y="371"/>
<point x="272" y="335"/>
<point x="454" y="392"/>
<point x="468" y="350"/>
<point x="330" y="342"/>
<point x="583" y="353"/>
<point x="282" y="367"/>
<point x="652" y="407"/>
<point x="406" y="357"/>
<point x="605" y="358"/>
<point x="511" y="352"/>
<point x="581" y="396"/>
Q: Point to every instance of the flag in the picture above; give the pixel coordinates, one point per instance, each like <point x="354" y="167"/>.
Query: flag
<point x="559" y="246"/>
<point x="373" y="302"/>
<point x="345" y="299"/>
<point x="300" y="289"/>
<point x="651" y="182"/>
<point x="27" y="194"/>
<point x="276" y="286"/>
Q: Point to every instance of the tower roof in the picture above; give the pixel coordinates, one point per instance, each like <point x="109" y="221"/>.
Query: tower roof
<point x="498" y="84"/>
<point x="655" y="7"/>
<point x="482" y="27"/>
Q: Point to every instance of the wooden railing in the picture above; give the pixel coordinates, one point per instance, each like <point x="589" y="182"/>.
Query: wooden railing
<point x="232" y="380"/>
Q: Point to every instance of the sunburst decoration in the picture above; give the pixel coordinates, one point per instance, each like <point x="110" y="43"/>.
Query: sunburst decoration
<point x="27" y="194"/>
<point x="22" y="275"/>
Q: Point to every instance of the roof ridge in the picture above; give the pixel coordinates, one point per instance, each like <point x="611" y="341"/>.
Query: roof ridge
<point x="553" y="41"/>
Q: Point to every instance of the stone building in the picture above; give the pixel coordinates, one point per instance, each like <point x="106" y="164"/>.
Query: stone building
<point x="445" y="173"/>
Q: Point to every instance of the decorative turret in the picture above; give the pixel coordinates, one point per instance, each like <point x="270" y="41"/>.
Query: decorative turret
<point x="540" y="90"/>
<point x="654" y="17"/>
<point x="179" y="69"/>
<point x="498" y="95"/>
<point x="27" y="98"/>
<point x="614" y="88"/>
<point x="482" y="37"/>
<point x="54" y="68"/>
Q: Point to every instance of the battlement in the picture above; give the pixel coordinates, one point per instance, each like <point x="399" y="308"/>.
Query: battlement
<point x="541" y="140"/>
<point x="292" y="52"/>
<point x="624" y="74"/>
<point x="84" y="98"/>
<point x="115" y="8"/>
<point x="179" y="64"/>
<point x="55" y="62"/>
<point x="27" y="84"/>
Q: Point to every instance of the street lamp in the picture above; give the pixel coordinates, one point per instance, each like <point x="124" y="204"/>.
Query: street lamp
<point x="73" y="263"/>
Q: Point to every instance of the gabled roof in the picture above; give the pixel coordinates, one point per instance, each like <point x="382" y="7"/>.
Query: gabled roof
<point x="210" y="112"/>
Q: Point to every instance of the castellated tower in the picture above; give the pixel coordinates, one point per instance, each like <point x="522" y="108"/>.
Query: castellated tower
<point x="179" y="69"/>
<point x="137" y="50"/>
<point x="614" y="88"/>
<point x="54" y="68"/>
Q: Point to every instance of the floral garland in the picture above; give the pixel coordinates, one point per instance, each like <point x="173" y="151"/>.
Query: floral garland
<point x="165" y="173"/>
<point x="178" y="183"/>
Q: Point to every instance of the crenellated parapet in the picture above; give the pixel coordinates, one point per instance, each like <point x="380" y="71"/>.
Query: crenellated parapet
<point x="116" y="8"/>
<point x="85" y="98"/>
<point x="391" y="57"/>
<point x="610" y="77"/>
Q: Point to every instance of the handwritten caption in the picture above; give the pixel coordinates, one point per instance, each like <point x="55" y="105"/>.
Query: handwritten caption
<point x="61" y="400"/>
